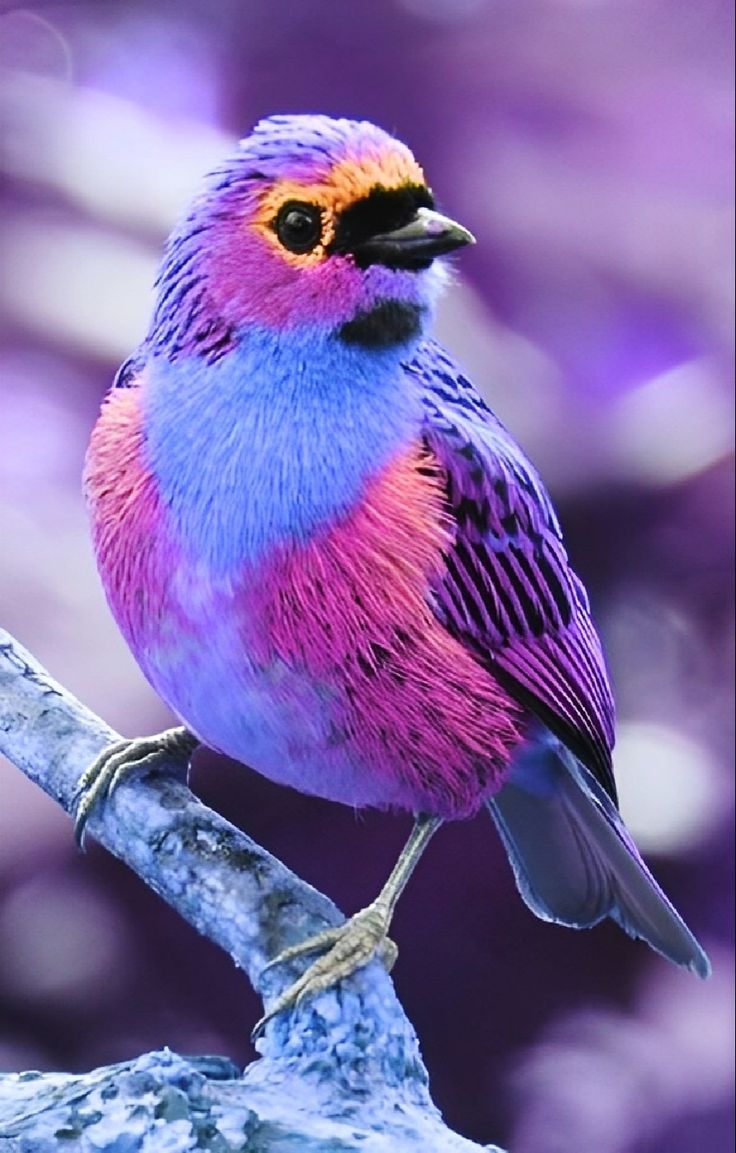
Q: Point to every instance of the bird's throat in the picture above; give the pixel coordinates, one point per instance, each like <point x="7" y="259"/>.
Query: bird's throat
<point x="388" y="323"/>
<point x="275" y="441"/>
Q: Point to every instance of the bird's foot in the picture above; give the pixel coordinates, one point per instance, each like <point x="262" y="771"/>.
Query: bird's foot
<point x="119" y="761"/>
<point x="350" y="946"/>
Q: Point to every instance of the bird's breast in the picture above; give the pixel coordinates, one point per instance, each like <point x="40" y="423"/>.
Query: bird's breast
<point x="321" y="663"/>
<point x="273" y="442"/>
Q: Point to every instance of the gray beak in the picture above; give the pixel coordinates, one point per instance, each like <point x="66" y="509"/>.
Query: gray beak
<point x="414" y="245"/>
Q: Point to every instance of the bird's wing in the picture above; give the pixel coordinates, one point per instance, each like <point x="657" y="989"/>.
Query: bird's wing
<point x="507" y="589"/>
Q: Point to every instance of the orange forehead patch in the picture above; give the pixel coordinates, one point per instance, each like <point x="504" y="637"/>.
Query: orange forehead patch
<point x="346" y="182"/>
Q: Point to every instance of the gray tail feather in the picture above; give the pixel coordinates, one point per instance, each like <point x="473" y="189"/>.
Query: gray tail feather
<point x="573" y="858"/>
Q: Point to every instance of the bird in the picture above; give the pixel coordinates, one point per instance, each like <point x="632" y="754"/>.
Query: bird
<point x="332" y="560"/>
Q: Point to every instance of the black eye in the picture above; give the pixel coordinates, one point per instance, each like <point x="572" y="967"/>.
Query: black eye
<point x="299" y="226"/>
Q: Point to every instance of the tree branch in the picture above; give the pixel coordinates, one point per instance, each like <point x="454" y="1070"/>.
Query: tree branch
<point x="349" y="1054"/>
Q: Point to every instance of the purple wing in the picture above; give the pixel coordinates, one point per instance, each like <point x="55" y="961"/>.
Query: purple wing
<point x="508" y="590"/>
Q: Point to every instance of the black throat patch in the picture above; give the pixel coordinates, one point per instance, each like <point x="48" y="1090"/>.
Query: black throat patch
<point x="390" y="322"/>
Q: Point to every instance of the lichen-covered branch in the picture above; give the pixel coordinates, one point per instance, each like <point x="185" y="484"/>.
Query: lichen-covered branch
<point x="340" y="1072"/>
<point x="227" y="886"/>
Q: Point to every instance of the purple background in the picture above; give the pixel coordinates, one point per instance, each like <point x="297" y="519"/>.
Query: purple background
<point x="587" y="144"/>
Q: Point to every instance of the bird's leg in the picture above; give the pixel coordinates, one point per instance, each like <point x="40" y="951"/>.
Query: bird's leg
<point x="121" y="759"/>
<point x="361" y="937"/>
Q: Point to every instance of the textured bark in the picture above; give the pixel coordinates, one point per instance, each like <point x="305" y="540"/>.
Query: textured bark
<point x="341" y="1072"/>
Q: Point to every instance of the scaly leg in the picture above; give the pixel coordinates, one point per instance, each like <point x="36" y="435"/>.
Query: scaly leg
<point x="120" y="760"/>
<point x="357" y="941"/>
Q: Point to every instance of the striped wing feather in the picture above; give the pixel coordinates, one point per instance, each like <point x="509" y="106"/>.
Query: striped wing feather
<point x="508" y="590"/>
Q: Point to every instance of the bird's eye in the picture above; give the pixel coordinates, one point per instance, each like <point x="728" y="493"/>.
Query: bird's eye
<point x="299" y="226"/>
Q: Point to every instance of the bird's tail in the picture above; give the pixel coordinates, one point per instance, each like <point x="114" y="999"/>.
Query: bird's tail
<point x="573" y="858"/>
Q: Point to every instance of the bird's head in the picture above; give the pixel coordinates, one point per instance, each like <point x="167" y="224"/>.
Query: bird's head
<point x="313" y="222"/>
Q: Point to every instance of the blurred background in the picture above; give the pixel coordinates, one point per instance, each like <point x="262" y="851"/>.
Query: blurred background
<point x="588" y="145"/>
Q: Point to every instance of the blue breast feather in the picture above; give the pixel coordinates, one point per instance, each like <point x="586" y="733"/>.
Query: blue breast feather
<point x="272" y="441"/>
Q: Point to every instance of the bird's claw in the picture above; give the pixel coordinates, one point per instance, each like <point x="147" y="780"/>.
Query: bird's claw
<point x="350" y="946"/>
<point x="119" y="761"/>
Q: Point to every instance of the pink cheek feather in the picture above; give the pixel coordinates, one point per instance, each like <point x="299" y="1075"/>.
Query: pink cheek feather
<point x="323" y="295"/>
<point x="286" y="295"/>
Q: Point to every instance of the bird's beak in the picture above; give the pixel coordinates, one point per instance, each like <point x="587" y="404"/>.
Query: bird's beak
<point x="414" y="245"/>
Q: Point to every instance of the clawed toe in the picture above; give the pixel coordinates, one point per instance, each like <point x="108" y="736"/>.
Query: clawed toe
<point x="324" y="940"/>
<point x="350" y="946"/>
<point x="96" y="783"/>
<point x="362" y="937"/>
<point x="119" y="761"/>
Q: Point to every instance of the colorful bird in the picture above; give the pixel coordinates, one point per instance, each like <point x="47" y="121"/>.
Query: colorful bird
<point x="331" y="559"/>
